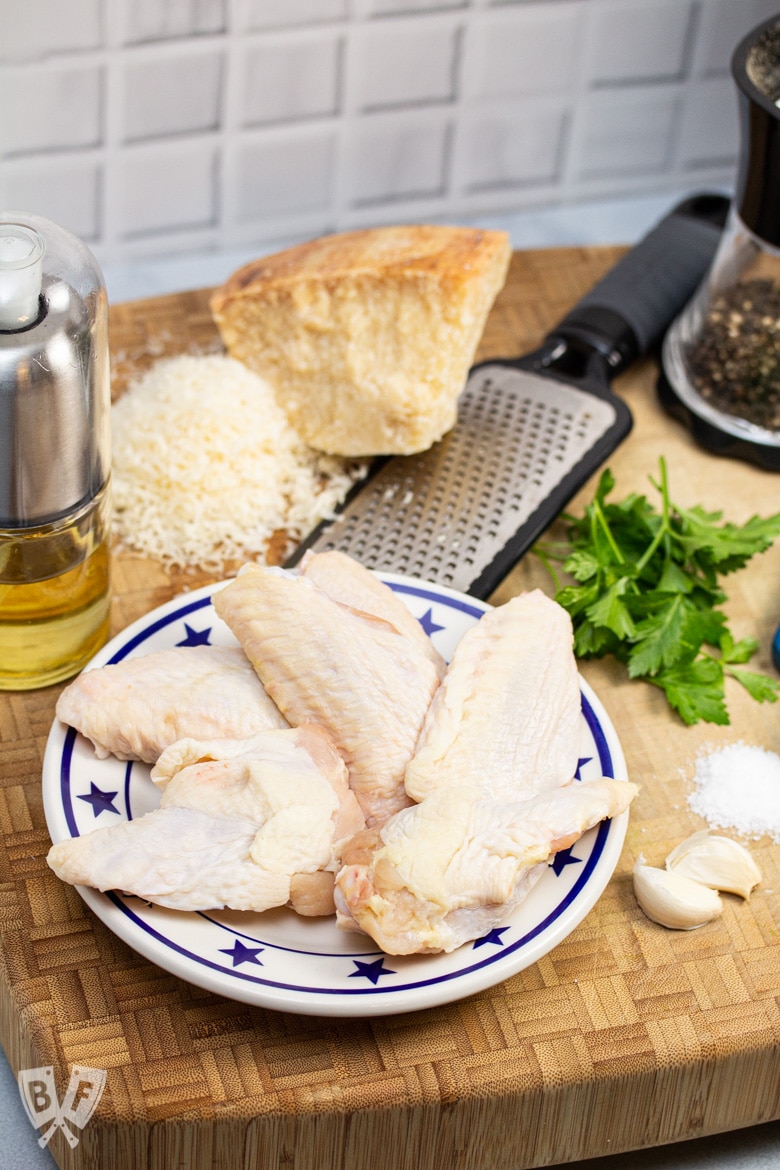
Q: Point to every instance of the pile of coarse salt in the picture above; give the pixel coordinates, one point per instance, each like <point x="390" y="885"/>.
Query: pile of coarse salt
<point x="738" y="787"/>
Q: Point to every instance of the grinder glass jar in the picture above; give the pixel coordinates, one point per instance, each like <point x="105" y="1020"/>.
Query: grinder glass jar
<point x="722" y="355"/>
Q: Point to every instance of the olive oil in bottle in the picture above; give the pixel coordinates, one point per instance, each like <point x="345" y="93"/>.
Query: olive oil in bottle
<point x="54" y="597"/>
<point x="55" y="510"/>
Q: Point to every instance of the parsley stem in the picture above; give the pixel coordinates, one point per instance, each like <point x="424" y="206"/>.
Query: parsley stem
<point x="556" y="550"/>
<point x="604" y="525"/>
<point x="664" y="529"/>
<point x="544" y="555"/>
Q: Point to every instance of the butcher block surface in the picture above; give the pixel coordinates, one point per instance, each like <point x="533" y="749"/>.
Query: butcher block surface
<point x="626" y="1035"/>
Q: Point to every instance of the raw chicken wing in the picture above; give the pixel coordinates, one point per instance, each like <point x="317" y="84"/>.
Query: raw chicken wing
<point x="135" y="708"/>
<point x="347" y="581"/>
<point x="455" y="866"/>
<point x="508" y="712"/>
<point x="345" y="669"/>
<point x="493" y="773"/>
<point x="236" y="827"/>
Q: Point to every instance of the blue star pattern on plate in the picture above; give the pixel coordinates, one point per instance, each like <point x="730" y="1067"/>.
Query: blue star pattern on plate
<point x="493" y="936"/>
<point x="101" y="801"/>
<point x="373" y="971"/>
<point x="563" y="858"/>
<point x="428" y="624"/>
<point x="241" y="954"/>
<point x="278" y="972"/>
<point x="581" y="762"/>
<point x="195" y="637"/>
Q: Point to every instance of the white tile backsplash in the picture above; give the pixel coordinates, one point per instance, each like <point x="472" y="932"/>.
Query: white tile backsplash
<point x="166" y="187"/>
<point x="709" y="127"/>
<point x="288" y="78"/>
<point x="637" y="42"/>
<point x="259" y="14"/>
<point x="168" y="94"/>
<point x="529" y="50"/>
<point x="38" y="28"/>
<point x="396" y="158"/>
<point x="512" y="146"/>
<point x="405" y="63"/>
<point x="633" y="136"/>
<point x="53" y="108"/>
<point x="64" y="188"/>
<point x="153" y="126"/>
<point x="280" y="175"/>
<point x="159" y="20"/>
<point x="405" y="7"/>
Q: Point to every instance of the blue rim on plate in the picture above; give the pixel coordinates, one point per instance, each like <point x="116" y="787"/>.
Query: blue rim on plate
<point x="278" y="960"/>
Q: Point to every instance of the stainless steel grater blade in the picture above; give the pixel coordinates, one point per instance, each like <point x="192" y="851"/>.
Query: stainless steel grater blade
<point x="530" y="431"/>
<point x="446" y="514"/>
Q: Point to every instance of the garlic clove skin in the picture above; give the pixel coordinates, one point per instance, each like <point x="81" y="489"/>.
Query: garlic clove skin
<point x="717" y="862"/>
<point x="673" y="900"/>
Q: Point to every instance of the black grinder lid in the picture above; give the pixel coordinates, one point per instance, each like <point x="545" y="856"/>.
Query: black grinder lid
<point x="755" y="67"/>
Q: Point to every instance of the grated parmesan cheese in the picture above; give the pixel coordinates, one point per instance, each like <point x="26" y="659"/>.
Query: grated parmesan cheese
<point x="206" y="467"/>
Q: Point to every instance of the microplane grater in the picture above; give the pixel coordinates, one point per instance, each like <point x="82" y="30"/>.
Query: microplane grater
<point x="442" y="514"/>
<point x="529" y="432"/>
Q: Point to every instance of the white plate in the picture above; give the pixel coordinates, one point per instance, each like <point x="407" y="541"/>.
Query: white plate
<point x="278" y="960"/>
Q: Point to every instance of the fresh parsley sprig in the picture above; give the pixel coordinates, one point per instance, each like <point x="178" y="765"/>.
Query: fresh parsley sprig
<point x="647" y="591"/>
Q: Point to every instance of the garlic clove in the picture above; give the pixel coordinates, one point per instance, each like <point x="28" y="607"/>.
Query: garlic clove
<point x="717" y="862"/>
<point x="673" y="900"/>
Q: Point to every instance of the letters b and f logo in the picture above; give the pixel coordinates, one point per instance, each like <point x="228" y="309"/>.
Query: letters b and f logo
<point x="42" y="1106"/>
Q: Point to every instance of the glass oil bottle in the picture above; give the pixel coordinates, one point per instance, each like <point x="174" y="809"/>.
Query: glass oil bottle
<point x="55" y="440"/>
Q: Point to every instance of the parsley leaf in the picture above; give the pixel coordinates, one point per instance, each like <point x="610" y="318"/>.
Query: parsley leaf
<point x="732" y="651"/>
<point x="760" y="686"/>
<point x="583" y="566"/>
<point x="658" y="638"/>
<point x="648" y="592"/>
<point x="611" y="611"/>
<point x="695" y="691"/>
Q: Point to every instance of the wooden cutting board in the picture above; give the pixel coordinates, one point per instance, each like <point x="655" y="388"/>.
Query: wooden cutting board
<point x="625" y="1036"/>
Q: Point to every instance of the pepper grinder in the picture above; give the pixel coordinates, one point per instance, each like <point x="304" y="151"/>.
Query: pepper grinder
<point x="721" y="357"/>
<point x="55" y="451"/>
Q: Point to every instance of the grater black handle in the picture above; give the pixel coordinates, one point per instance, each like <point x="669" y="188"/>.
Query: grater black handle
<point x="626" y="314"/>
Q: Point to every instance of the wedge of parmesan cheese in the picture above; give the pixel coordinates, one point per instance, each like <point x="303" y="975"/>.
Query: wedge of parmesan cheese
<point x="206" y="468"/>
<point x="367" y="336"/>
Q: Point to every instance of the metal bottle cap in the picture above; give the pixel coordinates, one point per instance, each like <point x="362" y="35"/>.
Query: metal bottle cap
<point x="55" y="439"/>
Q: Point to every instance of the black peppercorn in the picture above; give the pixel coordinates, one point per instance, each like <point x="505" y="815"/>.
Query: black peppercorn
<point x="734" y="364"/>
